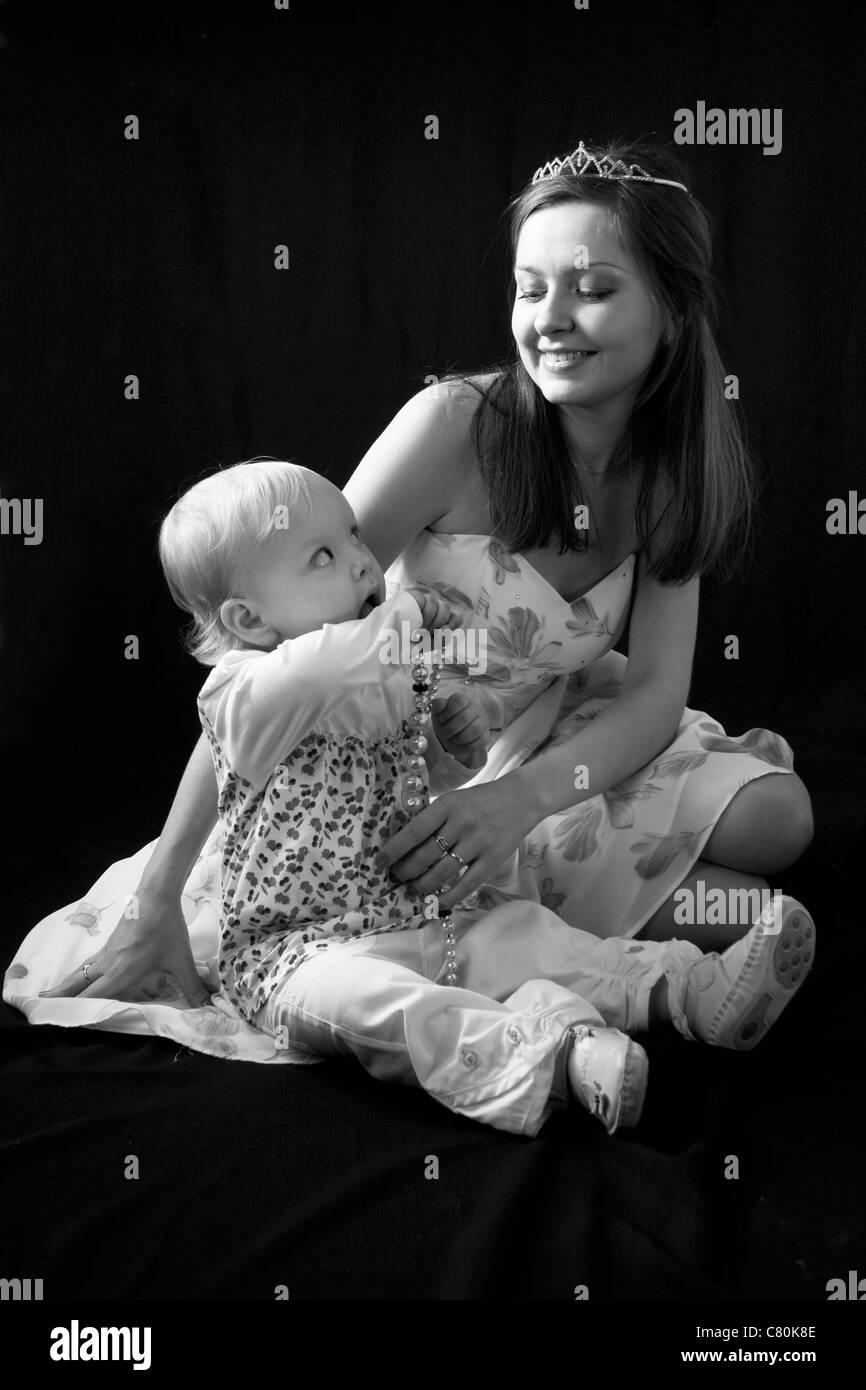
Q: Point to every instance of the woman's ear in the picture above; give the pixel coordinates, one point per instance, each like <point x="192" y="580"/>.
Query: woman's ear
<point x="244" y="622"/>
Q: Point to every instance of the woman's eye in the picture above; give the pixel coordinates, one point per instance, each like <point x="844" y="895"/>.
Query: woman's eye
<point x="533" y="295"/>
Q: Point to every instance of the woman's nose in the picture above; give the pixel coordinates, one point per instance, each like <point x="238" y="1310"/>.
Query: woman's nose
<point x="552" y="315"/>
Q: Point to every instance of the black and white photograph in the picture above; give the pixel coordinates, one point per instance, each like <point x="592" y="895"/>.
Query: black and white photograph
<point x="432" y="538"/>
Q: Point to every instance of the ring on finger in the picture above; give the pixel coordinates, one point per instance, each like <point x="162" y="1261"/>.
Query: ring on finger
<point x="440" y="840"/>
<point x="85" y="967"/>
<point x="464" y="867"/>
<point x="452" y="882"/>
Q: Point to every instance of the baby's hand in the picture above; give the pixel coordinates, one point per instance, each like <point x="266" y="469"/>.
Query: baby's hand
<point x="435" y="612"/>
<point x="461" y="728"/>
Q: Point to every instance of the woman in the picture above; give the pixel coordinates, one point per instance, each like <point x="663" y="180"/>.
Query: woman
<point x="588" y="483"/>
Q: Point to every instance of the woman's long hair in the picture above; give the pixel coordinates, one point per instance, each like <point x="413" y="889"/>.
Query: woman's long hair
<point x="687" y="436"/>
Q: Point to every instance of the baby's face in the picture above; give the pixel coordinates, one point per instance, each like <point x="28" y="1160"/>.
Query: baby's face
<point x="315" y="572"/>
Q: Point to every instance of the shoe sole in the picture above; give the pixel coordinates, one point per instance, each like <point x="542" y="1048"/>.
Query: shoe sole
<point x="632" y="1092"/>
<point x="775" y="968"/>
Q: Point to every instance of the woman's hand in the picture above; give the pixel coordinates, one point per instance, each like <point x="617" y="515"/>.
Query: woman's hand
<point x="146" y="957"/>
<point x="483" y="825"/>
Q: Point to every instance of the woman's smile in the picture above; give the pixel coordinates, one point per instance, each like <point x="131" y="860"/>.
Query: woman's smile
<point x="565" y="360"/>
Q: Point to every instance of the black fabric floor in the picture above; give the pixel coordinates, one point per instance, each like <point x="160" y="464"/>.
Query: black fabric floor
<point x="314" y="1177"/>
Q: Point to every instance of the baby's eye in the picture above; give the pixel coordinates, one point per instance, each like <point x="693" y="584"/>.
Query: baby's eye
<point x="323" y="550"/>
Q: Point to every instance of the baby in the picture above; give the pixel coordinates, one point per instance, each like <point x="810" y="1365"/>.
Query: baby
<point x="308" y="726"/>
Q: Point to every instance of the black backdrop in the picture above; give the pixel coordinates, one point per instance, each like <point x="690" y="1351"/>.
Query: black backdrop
<point x="306" y="128"/>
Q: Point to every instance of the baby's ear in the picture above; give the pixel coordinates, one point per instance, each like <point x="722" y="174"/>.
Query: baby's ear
<point x="243" y="622"/>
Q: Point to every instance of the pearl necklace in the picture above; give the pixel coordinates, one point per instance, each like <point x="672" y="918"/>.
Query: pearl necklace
<point x="415" y="790"/>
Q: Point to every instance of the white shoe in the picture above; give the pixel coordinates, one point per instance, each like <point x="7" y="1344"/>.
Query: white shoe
<point x="730" y="1000"/>
<point x="607" y="1073"/>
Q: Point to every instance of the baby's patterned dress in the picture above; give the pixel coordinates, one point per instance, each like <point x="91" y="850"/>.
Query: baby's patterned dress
<point x="309" y="743"/>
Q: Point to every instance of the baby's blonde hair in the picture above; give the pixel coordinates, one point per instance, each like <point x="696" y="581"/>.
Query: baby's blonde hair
<point x="213" y="530"/>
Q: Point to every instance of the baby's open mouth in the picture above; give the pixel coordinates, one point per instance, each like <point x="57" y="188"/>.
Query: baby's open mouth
<point x="368" y="605"/>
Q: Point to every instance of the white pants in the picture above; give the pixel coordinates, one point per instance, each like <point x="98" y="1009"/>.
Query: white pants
<point x="494" y="1046"/>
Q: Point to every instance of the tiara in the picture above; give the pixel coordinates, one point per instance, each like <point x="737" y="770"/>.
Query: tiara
<point x="582" y="164"/>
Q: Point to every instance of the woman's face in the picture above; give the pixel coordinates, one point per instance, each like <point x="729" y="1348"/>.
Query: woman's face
<point x="585" y="323"/>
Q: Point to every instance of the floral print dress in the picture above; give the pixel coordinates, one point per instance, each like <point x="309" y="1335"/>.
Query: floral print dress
<point x="607" y="864"/>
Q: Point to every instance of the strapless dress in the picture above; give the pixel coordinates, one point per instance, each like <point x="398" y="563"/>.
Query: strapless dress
<point x="608" y="863"/>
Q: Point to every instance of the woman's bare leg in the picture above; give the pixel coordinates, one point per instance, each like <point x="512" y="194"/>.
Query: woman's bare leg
<point x="765" y="828"/>
<point x="763" y="831"/>
<point x="743" y="900"/>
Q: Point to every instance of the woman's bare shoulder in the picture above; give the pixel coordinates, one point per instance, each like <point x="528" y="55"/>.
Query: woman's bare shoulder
<point x="461" y="394"/>
<point x="417" y="470"/>
<point x="438" y="421"/>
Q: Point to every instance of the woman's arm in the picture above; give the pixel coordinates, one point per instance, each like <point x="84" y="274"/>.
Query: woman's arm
<point x="192" y="816"/>
<point x="416" y="471"/>
<point x="154" y="941"/>
<point x="641" y="721"/>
